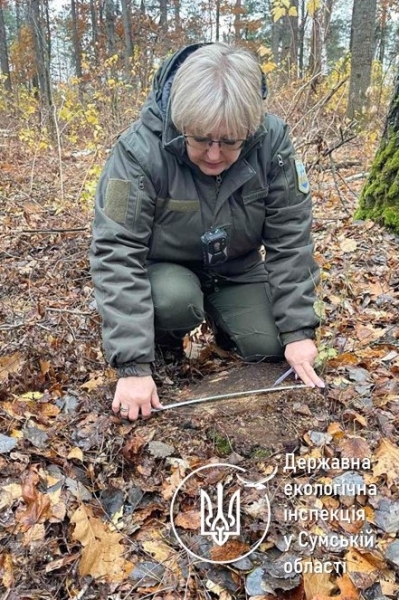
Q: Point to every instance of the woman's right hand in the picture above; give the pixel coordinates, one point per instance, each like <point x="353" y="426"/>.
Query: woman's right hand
<point x="135" y="395"/>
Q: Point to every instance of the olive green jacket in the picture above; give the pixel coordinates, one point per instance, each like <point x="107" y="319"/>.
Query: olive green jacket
<point x="153" y="204"/>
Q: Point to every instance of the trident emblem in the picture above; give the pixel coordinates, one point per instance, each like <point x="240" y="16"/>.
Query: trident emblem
<point x="220" y="527"/>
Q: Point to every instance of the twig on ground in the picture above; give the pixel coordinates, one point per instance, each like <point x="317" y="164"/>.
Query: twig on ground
<point x="70" y="230"/>
<point x="59" y="152"/>
<point x="334" y="174"/>
<point x="69" y="312"/>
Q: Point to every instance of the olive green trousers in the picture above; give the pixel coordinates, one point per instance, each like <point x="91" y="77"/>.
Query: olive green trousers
<point x="239" y="313"/>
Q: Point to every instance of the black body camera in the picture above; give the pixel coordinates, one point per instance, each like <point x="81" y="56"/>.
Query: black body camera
<point x="214" y="247"/>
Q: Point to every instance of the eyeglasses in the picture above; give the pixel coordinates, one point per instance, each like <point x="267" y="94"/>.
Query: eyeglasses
<point x="203" y="143"/>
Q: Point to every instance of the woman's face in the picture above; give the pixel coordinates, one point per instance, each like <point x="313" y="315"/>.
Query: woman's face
<point x="211" y="157"/>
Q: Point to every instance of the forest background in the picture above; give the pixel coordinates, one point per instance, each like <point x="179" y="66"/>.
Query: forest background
<point x="73" y="76"/>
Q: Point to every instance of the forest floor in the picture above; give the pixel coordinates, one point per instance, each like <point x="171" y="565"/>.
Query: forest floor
<point x="85" y="497"/>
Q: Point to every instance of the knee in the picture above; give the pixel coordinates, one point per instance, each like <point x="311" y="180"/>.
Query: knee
<point x="177" y="297"/>
<point x="180" y="310"/>
<point x="259" y="346"/>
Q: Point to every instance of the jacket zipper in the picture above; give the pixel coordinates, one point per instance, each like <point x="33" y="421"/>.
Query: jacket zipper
<point x="139" y="199"/>
<point x="281" y="164"/>
<point x="218" y="184"/>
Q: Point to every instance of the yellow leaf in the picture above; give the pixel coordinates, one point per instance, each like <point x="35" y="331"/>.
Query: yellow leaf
<point x="9" y="493"/>
<point x="269" y="66"/>
<point x="92" y="384"/>
<point x="10" y="364"/>
<point x="278" y="13"/>
<point x="6" y="571"/>
<point x="293" y="12"/>
<point x="312" y="7"/>
<point x="335" y="430"/>
<point x="103" y="550"/>
<point x="316" y="583"/>
<point x="31" y="396"/>
<point x="76" y="453"/>
<point x="348" y="245"/>
<point x="387" y="455"/>
<point x="389" y="588"/>
<point x="163" y="554"/>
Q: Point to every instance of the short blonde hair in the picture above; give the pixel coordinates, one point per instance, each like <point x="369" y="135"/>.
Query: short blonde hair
<point x="218" y="87"/>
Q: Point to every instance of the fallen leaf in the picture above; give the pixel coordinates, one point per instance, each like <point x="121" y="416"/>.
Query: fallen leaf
<point x="103" y="550"/>
<point x="75" y="453"/>
<point x="346" y="587"/>
<point x="231" y="550"/>
<point x="37" y="507"/>
<point x="348" y="245"/>
<point x="218" y="590"/>
<point x="133" y="446"/>
<point x="36" y="533"/>
<point x="389" y="588"/>
<point x="316" y="584"/>
<point x="61" y="562"/>
<point x="387" y="455"/>
<point x="10" y="364"/>
<point x="364" y="569"/>
<point x="366" y="333"/>
<point x="354" y="447"/>
<point x="163" y="554"/>
<point x="189" y="520"/>
<point x="7" y="443"/>
<point x="6" y="570"/>
<point x="9" y="494"/>
<point x="335" y="430"/>
<point x="93" y="383"/>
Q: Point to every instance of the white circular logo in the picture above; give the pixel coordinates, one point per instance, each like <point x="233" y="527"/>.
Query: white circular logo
<point x="218" y="516"/>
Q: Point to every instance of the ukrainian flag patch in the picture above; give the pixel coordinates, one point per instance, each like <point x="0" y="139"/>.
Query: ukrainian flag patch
<point x="302" y="178"/>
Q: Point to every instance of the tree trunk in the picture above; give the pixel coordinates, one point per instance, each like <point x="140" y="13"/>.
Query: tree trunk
<point x="379" y="199"/>
<point x="316" y="44"/>
<point x="217" y="20"/>
<point x="41" y="55"/>
<point x="110" y="26"/>
<point x="237" y="20"/>
<point x="284" y="42"/>
<point x="362" y="51"/>
<point x="382" y="30"/>
<point x="94" y="31"/>
<point x="294" y="22"/>
<point x="301" y="37"/>
<point x="177" y="7"/>
<point x="128" y="35"/>
<point x="77" y="53"/>
<point x="163" y="19"/>
<point x="4" y="62"/>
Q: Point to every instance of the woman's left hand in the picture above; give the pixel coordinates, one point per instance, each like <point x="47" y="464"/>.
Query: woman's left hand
<point x="301" y="356"/>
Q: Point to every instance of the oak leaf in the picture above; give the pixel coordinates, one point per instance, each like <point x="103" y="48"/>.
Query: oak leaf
<point x="364" y="569"/>
<point x="316" y="584"/>
<point x="346" y="587"/>
<point x="103" y="551"/>
<point x="387" y="455"/>
<point x="10" y="364"/>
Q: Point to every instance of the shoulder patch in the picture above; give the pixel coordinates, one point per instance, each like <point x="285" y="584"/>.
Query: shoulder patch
<point x="117" y="200"/>
<point x="302" y="178"/>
